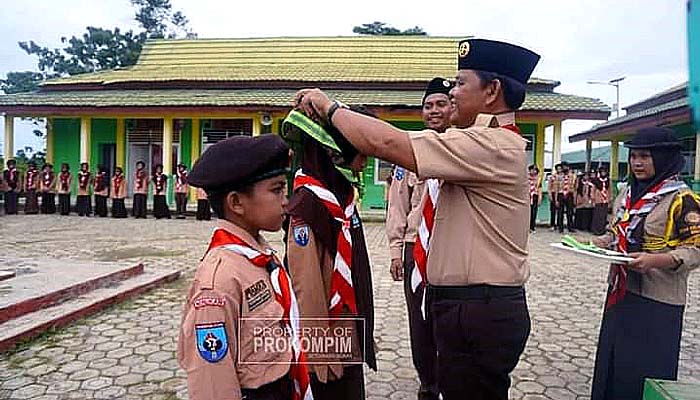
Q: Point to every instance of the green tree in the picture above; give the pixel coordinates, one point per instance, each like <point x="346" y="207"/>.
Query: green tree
<point x="381" y="28"/>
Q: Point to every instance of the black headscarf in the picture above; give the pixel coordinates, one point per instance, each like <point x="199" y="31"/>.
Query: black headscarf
<point x="665" y="152"/>
<point x="317" y="162"/>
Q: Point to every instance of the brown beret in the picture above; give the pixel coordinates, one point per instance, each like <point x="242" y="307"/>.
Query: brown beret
<point x="239" y="161"/>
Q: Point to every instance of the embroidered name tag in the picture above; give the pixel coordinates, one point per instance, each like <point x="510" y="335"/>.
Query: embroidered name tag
<point x="257" y="295"/>
<point x="204" y="301"/>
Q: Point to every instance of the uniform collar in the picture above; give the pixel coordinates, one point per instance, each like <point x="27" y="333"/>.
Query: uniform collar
<point x="494" y="121"/>
<point x="260" y="245"/>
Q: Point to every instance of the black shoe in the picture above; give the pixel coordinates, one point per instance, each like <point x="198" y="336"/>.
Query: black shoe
<point x="572" y="230"/>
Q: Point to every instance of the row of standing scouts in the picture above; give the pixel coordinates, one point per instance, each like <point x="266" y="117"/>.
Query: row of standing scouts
<point x="40" y="189"/>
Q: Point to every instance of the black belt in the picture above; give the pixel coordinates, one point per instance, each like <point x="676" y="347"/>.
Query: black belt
<point x="474" y="292"/>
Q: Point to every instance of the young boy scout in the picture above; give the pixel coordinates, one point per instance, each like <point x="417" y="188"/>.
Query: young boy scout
<point x="140" y="190"/>
<point x="100" y="189"/>
<point x="118" y="193"/>
<point x="403" y="217"/>
<point x="84" y="205"/>
<point x="31" y="187"/>
<point x="473" y="252"/>
<point x="13" y="185"/>
<point x="241" y="295"/>
<point x="48" y="190"/>
<point x="64" y="186"/>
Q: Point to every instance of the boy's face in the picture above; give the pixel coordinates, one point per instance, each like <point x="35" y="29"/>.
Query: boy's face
<point x="263" y="207"/>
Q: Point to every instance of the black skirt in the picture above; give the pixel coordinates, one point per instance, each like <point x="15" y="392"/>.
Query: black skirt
<point x="203" y="210"/>
<point x="31" y="203"/>
<point x="582" y="218"/>
<point x="100" y="205"/>
<point x="600" y="219"/>
<point x="84" y="205"/>
<point x="10" y="202"/>
<point x="639" y="338"/>
<point x="160" y="207"/>
<point x="48" y="203"/>
<point x="118" y="208"/>
<point x="139" y="206"/>
<point x="64" y="203"/>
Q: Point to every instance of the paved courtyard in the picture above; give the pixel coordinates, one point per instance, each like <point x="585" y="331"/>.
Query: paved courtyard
<point x="128" y="351"/>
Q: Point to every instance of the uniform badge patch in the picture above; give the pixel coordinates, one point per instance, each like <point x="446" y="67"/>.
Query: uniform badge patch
<point x="692" y="217"/>
<point x="355" y="221"/>
<point x="212" y="342"/>
<point x="257" y="295"/>
<point x="301" y="235"/>
<point x="400" y="172"/>
<point x="204" y="301"/>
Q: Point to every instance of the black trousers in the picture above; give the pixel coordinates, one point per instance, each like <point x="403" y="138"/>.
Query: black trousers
<point x="139" y="207"/>
<point x="566" y="207"/>
<point x="600" y="219"/>
<point x="10" y="202"/>
<point x="350" y="386"/>
<point x="203" y="210"/>
<point x="118" y="208"/>
<point x="64" y="203"/>
<point x="552" y="213"/>
<point x="100" y="205"/>
<point x="160" y="207"/>
<point x="534" y="205"/>
<point x="31" y="203"/>
<point x="181" y="204"/>
<point x="48" y="203"/>
<point x="423" y="348"/>
<point x="480" y="332"/>
<point x="280" y="389"/>
<point x="84" y="205"/>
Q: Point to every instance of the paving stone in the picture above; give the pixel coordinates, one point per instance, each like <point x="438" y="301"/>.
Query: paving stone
<point x="97" y="383"/>
<point x="73" y="366"/>
<point x="84" y="375"/>
<point x="114" y="392"/>
<point x="29" y="392"/>
<point x="129" y="379"/>
<point x="103" y="363"/>
<point x="144" y="368"/>
<point x="62" y="387"/>
<point x="42" y="369"/>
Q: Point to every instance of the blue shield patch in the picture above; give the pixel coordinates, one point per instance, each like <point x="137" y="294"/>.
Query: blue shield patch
<point x="400" y="172"/>
<point x="355" y="221"/>
<point x="301" y="235"/>
<point x="212" y="342"/>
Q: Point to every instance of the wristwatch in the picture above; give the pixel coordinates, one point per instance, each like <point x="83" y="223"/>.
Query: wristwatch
<point x="334" y="107"/>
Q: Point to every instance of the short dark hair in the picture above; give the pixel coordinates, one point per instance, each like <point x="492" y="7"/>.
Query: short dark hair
<point x="513" y="91"/>
<point x="216" y="197"/>
<point x="140" y="162"/>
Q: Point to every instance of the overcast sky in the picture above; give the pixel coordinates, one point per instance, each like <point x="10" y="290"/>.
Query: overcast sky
<point x="579" y="40"/>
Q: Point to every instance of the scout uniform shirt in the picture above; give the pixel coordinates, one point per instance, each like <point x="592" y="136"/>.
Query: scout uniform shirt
<point x="48" y="182"/>
<point x="118" y="187"/>
<point x="481" y="224"/>
<point x="64" y="182"/>
<point x="404" y="212"/>
<point x="141" y="182"/>
<point x="553" y="184"/>
<point x="101" y="184"/>
<point x="83" y="183"/>
<point x="231" y="293"/>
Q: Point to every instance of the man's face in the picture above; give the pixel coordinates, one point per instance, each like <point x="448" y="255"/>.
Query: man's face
<point x="437" y="110"/>
<point x="468" y="98"/>
<point x="263" y="207"/>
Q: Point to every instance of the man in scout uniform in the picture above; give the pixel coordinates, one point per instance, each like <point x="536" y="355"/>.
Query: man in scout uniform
<point x="63" y="188"/>
<point x="181" y="189"/>
<point x="84" y="205"/>
<point x="48" y="190"/>
<point x="241" y="299"/>
<point x="327" y="258"/>
<point x="12" y="187"/>
<point x="203" y="208"/>
<point x="140" y="190"/>
<point x="473" y="250"/>
<point x="535" y="190"/>
<point x="31" y="187"/>
<point x="553" y="190"/>
<point x="403" y="217"/>
<point x="118" y="193"/>
<point x="565" y="198"/>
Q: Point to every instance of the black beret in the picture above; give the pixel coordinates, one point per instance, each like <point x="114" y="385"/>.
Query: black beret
<point x="239" y="161"/>
<point x="437" y="85"/>
<point x="502" y="58"/>
<point x="656" y="137"/>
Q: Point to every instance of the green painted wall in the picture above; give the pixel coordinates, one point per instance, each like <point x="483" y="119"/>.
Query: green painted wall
<point x="186" y="144"/>
<point x="103" y="131"/>
<point x="66" y="133"/>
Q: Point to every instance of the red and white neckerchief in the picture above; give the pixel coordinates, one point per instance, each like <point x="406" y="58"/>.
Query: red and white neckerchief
<point x="180" y="181"/>
<point x="117" y="184"/>
<point x="627" y="220"/>
<point x="83" y="179"/>
<point x="139" y="179"/>
<point x="99" y="183"/>
<point x="604" y="189"/>
<point x="159" y="182"/>
<point x="284" y="294"/>
<point x="532" y="181"/>
<point x="342" y="291"/>
<point x="64" y="180"/>
<point x="421" y="249"/>
<point x="567" y="184"/>
<point x="13" y="175"/>
<point x="47" y="177"/>
<point x="31" y="174"/>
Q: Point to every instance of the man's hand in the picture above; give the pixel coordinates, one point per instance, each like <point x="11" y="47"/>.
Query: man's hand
<point x="643" y="262"/>
<point x="314" y="103"/>
<point x="396" y="269"/>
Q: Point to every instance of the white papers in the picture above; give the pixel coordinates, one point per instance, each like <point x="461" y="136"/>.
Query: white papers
<point x="612" y="256"/>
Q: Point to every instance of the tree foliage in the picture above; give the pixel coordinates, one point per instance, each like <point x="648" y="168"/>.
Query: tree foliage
<point x="381" y="28"/>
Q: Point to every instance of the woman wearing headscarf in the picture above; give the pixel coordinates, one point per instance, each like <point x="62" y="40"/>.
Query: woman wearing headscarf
<point x="601" y="198"/>
<point x="324" y="237"/>
<point x="64" y="186"/>
<point x="160" y="188"/>
<point x="657" y="222"/>
<point x="583" y="201"/>
<point x="101" y="191"/>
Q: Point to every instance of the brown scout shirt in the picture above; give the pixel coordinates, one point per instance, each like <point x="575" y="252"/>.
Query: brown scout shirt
<point x="201" y="194"/>
<point x="664" y="284"/>
<point x="141" y="177"/>
<point x="59" y="185"/>
<point x="481" y="224"/>
<point x="404" y="212"/>
<point x="86" y="190"/>
<point x="226" y="288"/>
<point x="118" y="193"/>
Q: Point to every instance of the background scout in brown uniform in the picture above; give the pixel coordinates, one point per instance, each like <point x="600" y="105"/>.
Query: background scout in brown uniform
<point x="583" y="201"/>
<point x="63" y="184"/>
<point x="640" y="333"/>
<point x="403" y="217"/>
<point x="311" y="241"/>
<point x="245" y="180"/>
<point x="181" y="189"/>
<point x="601" y="198"/>
<point x="84" y="204"/>
<point x="535" y="191"/>
<point x="48" y="190"/>
<point x="203" y="208"/>
<point x="13" y="185"/>
<point x="101" y="191"/>
<point x="31" y="188"/>
<point x="118" y="193"/>
<point x="553" y="191"/>
<point x="160" y="188"/>
<point x="477" y="264"/>
<point x="140" y="190"/>
<point x="565" y="198"/>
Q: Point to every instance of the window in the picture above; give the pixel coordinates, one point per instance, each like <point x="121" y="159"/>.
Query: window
<point x="382" y="171"/>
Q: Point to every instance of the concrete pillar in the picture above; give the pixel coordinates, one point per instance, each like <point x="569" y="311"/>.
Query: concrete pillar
<point x="168" y="146"/>
<point x="539" y="146"/>
<point x="589" y="150"/>
<point x="556" y="151"/>
<point x="85" y="128"/>
<point x="257" y="125"/>
<point x="196" y="149"/>
<point x="50" y="142"/>
<point x="614" y="160"/>
<point x="9" y="137"/>
<point x="121" y="143"/>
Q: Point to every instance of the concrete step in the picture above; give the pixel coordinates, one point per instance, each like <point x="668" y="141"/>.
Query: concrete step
<point x="52" y="283"/>
<point x="34" y="323"/>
